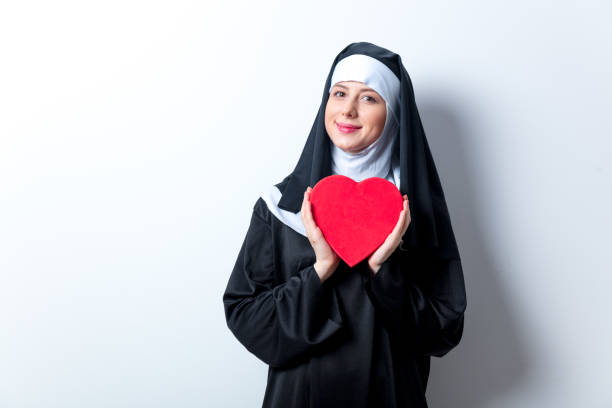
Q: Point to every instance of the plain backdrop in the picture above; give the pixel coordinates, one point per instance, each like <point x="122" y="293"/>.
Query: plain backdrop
<point x="136" y="136"/>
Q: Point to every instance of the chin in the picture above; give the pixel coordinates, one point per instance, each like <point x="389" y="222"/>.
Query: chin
<point x="349" y="148"/>
<point x="343" y="142"/>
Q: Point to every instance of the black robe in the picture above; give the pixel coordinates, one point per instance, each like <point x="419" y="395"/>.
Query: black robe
<point x="355" y="340"/>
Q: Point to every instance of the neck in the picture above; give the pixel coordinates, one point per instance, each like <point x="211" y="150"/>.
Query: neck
<point x="373" y="161"/>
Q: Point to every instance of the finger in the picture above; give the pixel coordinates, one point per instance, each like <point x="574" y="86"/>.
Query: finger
<point x="303" y="209"/>
<point x="305" y="199"/>
<point x="400" y="222"/>
<point x="306" y="206"/>
<point x="308" y="213"/>
<point x="399" y="230"/>
<point x="407" y="221"/>
<point x="405" y="204"/>
<point x="405" y="226"/>
<point x="305" y="212"/>
<point x="408" y="216"/>
<point x="315" y="230"/>
<point x="309" y="206"/>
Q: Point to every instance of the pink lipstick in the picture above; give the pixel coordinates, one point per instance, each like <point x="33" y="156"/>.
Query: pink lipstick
<point x="346" y="127"/>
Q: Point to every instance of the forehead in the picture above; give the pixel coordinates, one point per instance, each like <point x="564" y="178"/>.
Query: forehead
<point x="360" y="86"/>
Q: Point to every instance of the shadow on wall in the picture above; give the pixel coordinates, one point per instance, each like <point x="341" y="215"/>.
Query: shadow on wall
<point x="491" y="358"/>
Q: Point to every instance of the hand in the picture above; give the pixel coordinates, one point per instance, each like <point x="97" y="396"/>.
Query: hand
<point x="393" y="239"/>
<point x="327" y="260"/>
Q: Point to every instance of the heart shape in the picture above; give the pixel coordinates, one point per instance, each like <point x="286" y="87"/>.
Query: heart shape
<point x="355" y="218"/>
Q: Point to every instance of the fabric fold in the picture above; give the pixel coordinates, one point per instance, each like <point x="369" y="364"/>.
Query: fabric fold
<point x="276" y="321"/>
<point x="421" y="301"/>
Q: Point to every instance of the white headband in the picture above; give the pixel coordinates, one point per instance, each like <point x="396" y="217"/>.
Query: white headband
<point x="373" y="73"/>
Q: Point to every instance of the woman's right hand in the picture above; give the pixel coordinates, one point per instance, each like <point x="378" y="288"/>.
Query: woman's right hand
<point x="327" y="260"/>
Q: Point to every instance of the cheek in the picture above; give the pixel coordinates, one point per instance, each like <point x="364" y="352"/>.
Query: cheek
<point x="376" y="119"/>
<point x="330" y="110"/>
<point x="329" y="118"/>
<point x="328" y="113"/>
<point x="382" y="116"/>
<point x="380" y="121"/>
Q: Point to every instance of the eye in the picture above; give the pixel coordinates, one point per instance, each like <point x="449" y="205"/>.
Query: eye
<point x="372" y="99"/>
<point x="336" y="93"/>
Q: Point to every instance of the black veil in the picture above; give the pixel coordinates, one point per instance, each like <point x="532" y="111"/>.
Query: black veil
<point x="430" y="227"/>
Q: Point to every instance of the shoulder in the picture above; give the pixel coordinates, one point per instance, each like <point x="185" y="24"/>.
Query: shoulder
<point x="261" y="211"/>
<point x="281" y="186"/>
<point x="266" y="208"/>
<point x="266" y="204"/>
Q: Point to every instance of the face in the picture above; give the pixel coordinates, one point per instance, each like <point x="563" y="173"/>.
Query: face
<point x="354" y="116"/>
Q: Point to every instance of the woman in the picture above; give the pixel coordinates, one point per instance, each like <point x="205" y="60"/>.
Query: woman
<point x="335" y="336"/>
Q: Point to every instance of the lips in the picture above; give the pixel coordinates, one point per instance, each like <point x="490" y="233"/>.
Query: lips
<point x="347" y="128"/>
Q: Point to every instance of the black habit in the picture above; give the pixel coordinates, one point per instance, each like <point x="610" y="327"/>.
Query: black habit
<point x="357" y="340"/>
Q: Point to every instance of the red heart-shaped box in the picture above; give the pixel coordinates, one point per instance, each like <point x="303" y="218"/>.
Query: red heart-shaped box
<point x="355" y="218"/>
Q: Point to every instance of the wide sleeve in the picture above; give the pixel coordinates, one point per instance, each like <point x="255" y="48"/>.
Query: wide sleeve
<point x="421" y="300"/>
<point x="277" y="321"/>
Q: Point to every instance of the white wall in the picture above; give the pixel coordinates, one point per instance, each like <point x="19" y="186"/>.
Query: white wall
<point x="135" y="138"/>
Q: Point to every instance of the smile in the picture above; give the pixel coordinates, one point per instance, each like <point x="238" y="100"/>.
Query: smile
<point x="344" y="128"/>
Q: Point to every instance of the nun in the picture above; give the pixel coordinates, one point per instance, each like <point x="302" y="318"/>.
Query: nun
<point x="332" y="335"/>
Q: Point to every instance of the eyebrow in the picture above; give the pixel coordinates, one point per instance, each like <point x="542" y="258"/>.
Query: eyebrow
<point x="360" y="90"/>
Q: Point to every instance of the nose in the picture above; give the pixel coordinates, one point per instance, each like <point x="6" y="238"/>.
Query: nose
<point x="348" y="109"/>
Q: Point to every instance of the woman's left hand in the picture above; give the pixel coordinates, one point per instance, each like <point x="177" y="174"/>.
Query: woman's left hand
<point x="393" y="239"/>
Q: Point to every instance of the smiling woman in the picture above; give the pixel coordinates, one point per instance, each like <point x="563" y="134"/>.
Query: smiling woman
<point x="354" y="116"/>
<point x="361" y="336"/>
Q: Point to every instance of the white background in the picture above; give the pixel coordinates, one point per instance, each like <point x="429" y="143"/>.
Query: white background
<point x="135" y="137"/>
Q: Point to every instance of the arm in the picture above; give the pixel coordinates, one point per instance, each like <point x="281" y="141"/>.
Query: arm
<point x="422" y="301"/>
<point x="276" y="322"/>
